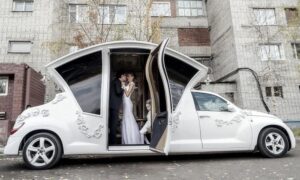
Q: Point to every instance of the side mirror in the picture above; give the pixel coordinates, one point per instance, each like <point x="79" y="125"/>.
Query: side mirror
<point x="231" y="108"/>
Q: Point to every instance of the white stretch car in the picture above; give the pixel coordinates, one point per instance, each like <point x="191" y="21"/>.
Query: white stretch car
<point x="185" y="120"/>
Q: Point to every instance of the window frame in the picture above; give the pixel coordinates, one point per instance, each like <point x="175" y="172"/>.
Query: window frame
<point x="109" y="6"/>
<point x="278" y="93"/>
<point x="23" y="6"/>
<point x="9" y="50"/>
<point x="197" y="104"/>
<point x="67" y="88"/>
<point x="5" y="78"/>
<point x="271" y="92"/>
<point x="268" y="91"/>
<point x="190" y="8"/>
<point x="257" y="23"/>
<point x="76" y="20"/>
<point x="164" y="2"/>
<point x="269" y="58"/>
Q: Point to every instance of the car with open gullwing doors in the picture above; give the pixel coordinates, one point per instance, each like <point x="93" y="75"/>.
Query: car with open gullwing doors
<point x="184" y="120"/>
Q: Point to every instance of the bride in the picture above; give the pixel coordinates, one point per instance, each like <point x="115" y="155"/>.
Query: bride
<point x="130" y="129"/>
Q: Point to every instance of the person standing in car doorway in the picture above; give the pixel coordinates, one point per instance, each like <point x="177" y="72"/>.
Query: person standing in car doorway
<point x="115" y="102"/>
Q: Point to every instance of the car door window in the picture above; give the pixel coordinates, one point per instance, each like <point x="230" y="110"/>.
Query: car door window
<point x="209" y="102"/>
<point x="84" y="77"/>
<point x="179" y="75"/>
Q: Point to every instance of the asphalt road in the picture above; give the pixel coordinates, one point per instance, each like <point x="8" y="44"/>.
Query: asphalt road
<point x="213" y="166"/>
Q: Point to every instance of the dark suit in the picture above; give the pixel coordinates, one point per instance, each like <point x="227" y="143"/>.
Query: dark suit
<point x="115" y="102"/>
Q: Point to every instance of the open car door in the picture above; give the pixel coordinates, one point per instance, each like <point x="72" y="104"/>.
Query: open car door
<point x="160" y="99"/>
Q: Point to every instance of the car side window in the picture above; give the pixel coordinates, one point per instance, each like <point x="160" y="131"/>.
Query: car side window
<point x="209" y="102"/>
<point x="84" y="77"/>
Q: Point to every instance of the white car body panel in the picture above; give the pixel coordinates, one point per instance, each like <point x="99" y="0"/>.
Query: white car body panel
<point x="84" y="133"/>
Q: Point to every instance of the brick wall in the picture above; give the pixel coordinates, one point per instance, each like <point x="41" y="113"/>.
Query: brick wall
<point x="35" y="90"/>
<point x="17" y="95"/>
<point x="24" y="87"/>
<point x="193" y="37"/>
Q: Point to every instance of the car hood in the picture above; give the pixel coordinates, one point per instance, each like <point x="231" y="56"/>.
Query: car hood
<point x="260" y="114"/>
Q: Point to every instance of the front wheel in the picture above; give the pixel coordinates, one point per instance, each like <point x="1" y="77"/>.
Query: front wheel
<point x="42" y="151"/>
<point x="273" y="143"/>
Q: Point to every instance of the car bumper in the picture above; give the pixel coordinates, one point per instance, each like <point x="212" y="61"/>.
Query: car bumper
<point x="292" y="137"/>
<point x="12" y="146"/>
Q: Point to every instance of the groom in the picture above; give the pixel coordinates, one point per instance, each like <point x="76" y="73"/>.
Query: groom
<point x="115" y="101"/>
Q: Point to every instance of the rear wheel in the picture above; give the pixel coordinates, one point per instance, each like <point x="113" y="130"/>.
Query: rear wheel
<point x="273" y="143"/>
<point x="42" y="151"/>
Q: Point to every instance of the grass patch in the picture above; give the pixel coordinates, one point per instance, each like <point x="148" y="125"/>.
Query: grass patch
<point x="296" y="132"/>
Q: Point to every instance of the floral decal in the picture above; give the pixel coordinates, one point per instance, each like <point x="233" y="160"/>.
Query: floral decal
<point x="235" y="120"/>
<point x="34" y="112"/>
<point x="176" y="121"/>
<point x="84" y="129"/>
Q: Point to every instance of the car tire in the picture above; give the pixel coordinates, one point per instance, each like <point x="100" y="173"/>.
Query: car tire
<point x="42" y="151"/>
<point x="273" y="143"/>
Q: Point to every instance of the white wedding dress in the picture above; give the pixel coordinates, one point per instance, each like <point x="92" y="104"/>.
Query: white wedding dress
<point x="130" y="129"/>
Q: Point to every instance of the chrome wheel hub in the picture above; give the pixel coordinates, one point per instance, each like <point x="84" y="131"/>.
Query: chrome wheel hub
<point x="275" y="143"/>
<point x="40" y="151"/>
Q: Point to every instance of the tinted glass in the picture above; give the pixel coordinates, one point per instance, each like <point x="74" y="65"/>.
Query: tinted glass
<point x="179" y="75"/>
<point x="84" y="76"/>
<point x="209" y="102"/>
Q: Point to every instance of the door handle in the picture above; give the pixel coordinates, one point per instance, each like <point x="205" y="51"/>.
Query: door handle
<point x="204" y="116"/>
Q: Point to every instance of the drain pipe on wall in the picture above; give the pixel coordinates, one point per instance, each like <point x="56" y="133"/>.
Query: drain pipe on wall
<point x="256" y="79"/>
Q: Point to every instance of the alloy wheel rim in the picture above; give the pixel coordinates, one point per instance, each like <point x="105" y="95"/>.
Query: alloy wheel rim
<point x="275" y="143"/>
<point x="40" y="151"/>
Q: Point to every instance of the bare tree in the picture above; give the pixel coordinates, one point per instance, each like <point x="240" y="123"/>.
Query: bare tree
<point x="98" y="21"/>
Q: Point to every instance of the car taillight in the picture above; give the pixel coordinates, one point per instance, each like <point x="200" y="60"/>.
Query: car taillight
<point x="14" y="130"/>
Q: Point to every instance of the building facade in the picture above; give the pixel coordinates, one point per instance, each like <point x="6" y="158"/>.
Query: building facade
<point x="264" y="37"/>
<point x="254" y="38"/>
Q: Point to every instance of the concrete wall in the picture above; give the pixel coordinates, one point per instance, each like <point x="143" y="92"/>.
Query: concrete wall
<point x="283" y="73"/>
<point x="235" y="44"/>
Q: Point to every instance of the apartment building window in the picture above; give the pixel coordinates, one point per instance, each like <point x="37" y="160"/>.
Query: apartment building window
<point x="78" y="13"/>
<point x="270" y="52"/>
<point x="3" y="85"/>
<point x="268" y="91"/>
<point x="291" y="15"/>
<point x="23" y="5"/>
<point x="19" y="47"/>
<point x="112" y="14"/>
<point x="161" y="9"/>
<point x="296" y="50"/>
<point x="264" y="16"/>
<point x="276" y="91"/>
<point x="190" y="7"/>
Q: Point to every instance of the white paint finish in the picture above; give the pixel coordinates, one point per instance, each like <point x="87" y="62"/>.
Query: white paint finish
<point x="222" y="129"/>
<point x="186" y="128"/>
<point x="235" y="131"/>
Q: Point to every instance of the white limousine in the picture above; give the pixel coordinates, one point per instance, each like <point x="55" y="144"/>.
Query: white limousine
<point x="184" y="120"/>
